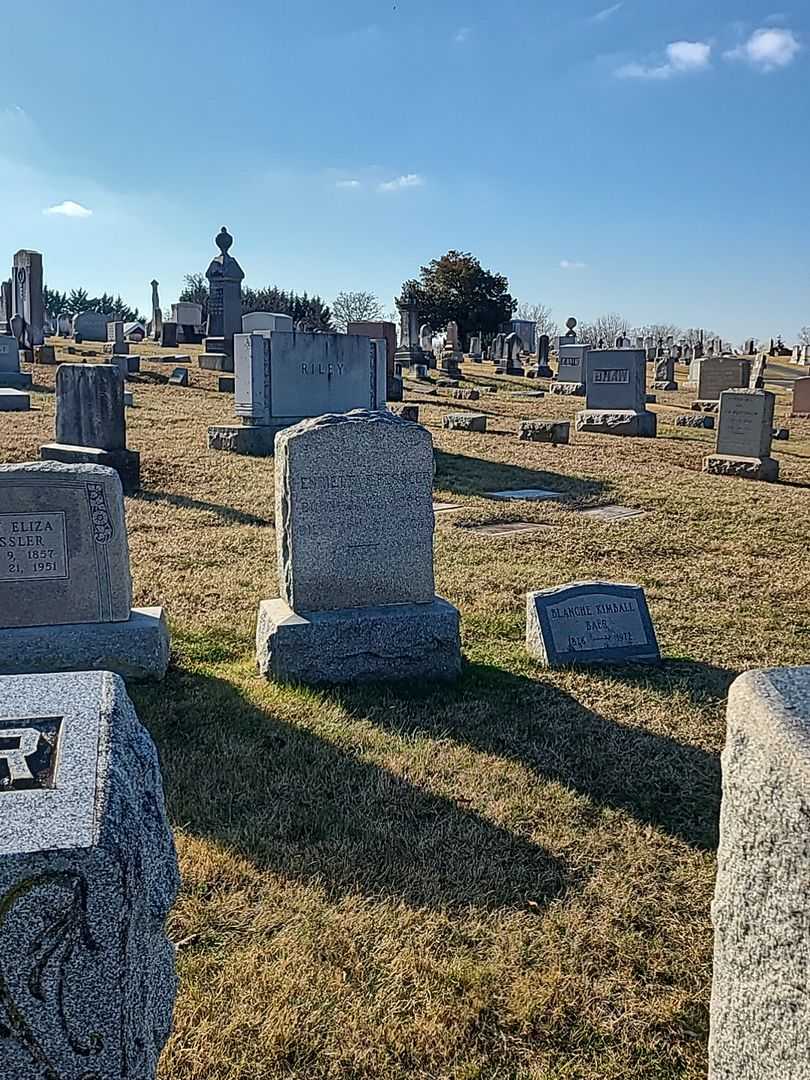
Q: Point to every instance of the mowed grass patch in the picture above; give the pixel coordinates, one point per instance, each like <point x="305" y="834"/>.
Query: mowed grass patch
<point x="506" y="878"/>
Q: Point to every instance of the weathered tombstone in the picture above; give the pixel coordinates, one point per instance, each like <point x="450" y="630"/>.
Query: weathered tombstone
<point x="88" y="873"/>
<point x="452" y="356"/>
<point x="27" y="296"/>
<point x="10" y="375"/>
<point x="90" y="423"/>
<point x="760" y="1007"/>
<point x="512" y="351"/>
<point x="476" y="348"/>
<point x="756" y="380"/>
<point x="168" y="335"/>
<point x="526" y="330"/>
<point x="801" y="397"/>
<point x="91" y="326"/>
<point x="744" y="434"/>
<point x="716" y="374"/>
<point x="570" y="377"/>
<point x="115" y="334"/>
<point x="590" y="622"/>
<point x="542" y="370"/>
<point x="179" y="377"/>
<point x="355" y="547"/>
<point x="551" y="431"/>
<point x="426" y="337"/>
<point x="225" y="277"/>
<point x="665" y="374"/>
<point x="5" y="307"/>
<point x="260" y="322"/>
<point x="284" y="378"/>
<point x="410" y="353"/>
<point x="64" y="325"/>
<point x="465" y="421"/>
<point x="65" y="586"/>
<point x="156" y="326"/>
<point x="615" y="394"/>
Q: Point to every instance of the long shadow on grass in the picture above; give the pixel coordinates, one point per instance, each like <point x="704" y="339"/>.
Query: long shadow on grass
<point x="658" y="780"/>
<point x="302" y="806"/>
<point x="475" y="476"/>
<point x="228" y="513"/>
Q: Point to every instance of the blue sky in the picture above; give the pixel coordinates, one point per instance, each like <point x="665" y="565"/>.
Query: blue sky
<point x="642" y="157"/>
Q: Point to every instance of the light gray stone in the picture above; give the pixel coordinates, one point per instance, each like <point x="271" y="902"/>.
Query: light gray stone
<point x="715" y="374"/>
<point x="257" y="322"/>
<point x="766" y="469"/>
<point x="744" y="433"/>
<point x="760" y="1008"/>
<point x="88" y="873"/>
<point x="567" y="389"/>
<point x="26" y="296"/>
<point x="615" y="380"/>
<point x="63" y="546"/>
<point x="550" y="431"/>
<point x="616" y="422"/>
<point x="703" y="420"/>
<point x="398" y="641"/>
<point x="571" y="363"/>
<point x="353" y="512"/>
<point x="465" y="422"/>
<point x="14" y="400"/>
<point x="91" y="326"/>
<point x="10" y="375"/>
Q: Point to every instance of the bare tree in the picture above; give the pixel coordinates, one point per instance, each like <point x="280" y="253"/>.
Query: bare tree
<point x="355" y="307"/>
<point x="604" y="328"/>
<point x="540" y="315"/>
<point x="659" y="330"/>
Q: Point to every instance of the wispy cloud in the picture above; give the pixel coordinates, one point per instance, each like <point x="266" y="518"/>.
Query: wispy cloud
<point x="348" y="184"/>
<point x="682" y="58"/>
<point x="572" y="264"/>
<point x="605" y="13"/>
<point x="68" y="209"/>
<point x="411" y="180"/>
<point x="767" y="49"/>
<point x="462" y="34"/>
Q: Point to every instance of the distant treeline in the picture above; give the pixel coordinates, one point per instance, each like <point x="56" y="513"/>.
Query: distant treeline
<point x="76" y="301"/>
<point x="309" y="309"/>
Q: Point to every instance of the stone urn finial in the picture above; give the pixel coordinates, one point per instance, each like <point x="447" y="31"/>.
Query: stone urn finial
<point x="223" y="240"/>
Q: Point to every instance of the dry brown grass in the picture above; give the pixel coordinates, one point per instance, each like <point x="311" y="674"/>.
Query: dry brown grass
<point x="509" y="878"/>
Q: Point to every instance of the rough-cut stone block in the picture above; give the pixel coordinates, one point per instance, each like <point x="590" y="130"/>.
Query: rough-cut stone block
<point x="549" y="431"/>
<point x="567" y="389"/>
<point x="706" y="406"/>
<point x="702" y="420"/>
<point x="465" y="422"/>
<point x="665" y="385"/>
<point x="14" y="400"/>
<point x="397" y="641"/>
<point x="354" y="512"/>
<point x="88" y="873"/>
<point x="137" y="650"/>
<point x="764" y="468"/>
<point x="127" y="463"/>
<point x="760" y="1010"/>
<point x="617" y="422"/>
<point x="465" y="395"/>
<point x="239" y="439"/>
<point x="590" y="622"/>
<point x="179" y="377"/>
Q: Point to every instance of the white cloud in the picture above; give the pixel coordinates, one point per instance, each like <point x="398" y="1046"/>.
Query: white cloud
<point x="568" y="264"/>
<point x="348" y="184"/>
<point x="462" y="34"/>
<point x="68" y="209"/>
<point x="411" y="180"/>
<point x="605" y="13"/>
<point x="767" y="49"/>
<point x="682" y="58"/>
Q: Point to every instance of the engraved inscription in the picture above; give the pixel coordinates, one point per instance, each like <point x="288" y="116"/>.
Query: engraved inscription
<point x="28" y="752"/>
<point x="596" y="623"/>
<point x="322" y="369"/>
<point x="33" y="547"/>
<point x="99" y="514"/>
<point x="4" y="347"/>
<point x="343" y="492"/>
<point x="611" y="375"/>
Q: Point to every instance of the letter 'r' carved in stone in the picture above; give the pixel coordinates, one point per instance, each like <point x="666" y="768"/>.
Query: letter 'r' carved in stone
<point x="28" y="753"/>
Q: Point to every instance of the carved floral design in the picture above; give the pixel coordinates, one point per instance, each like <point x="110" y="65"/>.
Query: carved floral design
<point x="99" y="514"/>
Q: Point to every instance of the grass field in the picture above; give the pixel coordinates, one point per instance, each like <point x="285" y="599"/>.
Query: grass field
<point x="509" y="878"/>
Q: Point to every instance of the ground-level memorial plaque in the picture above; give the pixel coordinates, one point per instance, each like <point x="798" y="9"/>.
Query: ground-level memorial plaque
<point x="590" y="622"/>
<point x="65" y="585"/>
<point x="88" y="873"/>
<point x="760" y="1009"/>
<point x="615" y="394"/>
<point x="283" y="378"/>
<point x="744" y="434"/>
<point x="354" y="520"/>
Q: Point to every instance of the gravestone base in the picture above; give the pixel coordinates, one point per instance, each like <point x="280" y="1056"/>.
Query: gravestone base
<point x="127" y="463"/>
<point x="12" y="400"/>
<point x="668" y="385"/>
<point x="641" y="425"/>
<point x="568" y="389"/>
<point x="397" y="641"/>
<point x="465" y="422"/>
<point x="119" y="348"/>
<point x="549" y="431"/>
<point x="15" y="380"/>
<point x="137" y="649"/>
<point x="696" y="421"/>
<point x="705" y="405"/>
<point x="216" y="362"/>
<point x="239" y="439"/>
<point x="749" y="468"/>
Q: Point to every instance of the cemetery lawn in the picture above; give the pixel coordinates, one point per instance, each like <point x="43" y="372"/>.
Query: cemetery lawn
<point x="506" y="878"/>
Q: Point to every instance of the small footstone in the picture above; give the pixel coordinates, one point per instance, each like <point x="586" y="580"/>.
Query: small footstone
<point x="567" y="389"/>
<point x="548" y="431"/>
<point x="695" y="421"/>
<point x="613" y="513"/>
<point x="407" y="412"/>
<point x="465" y="422"/>
<point x="664" y="386"/>
<point x="706" y="406"/>
<point x="525" y="494"/>
<point x="179" y="377"/>
<point x="226" y="384"/>
<point x="617" y="422"/>
<point x="781" y="434"/>
<point x="14" y="400"/>
<point x="758" y="468"/>
<point x="465" y="395"/>
<point x="507" y="528"/>
<point x="88" y="874"/>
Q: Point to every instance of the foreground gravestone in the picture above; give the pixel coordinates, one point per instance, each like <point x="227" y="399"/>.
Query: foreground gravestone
<point x="570" y="377"/>
<point x="590" y="622"/>
<point x="283" y="378"/>
<point x="760" y="1008"/>
<point x="355" y="548"/>
<point x="90" y="422"/>
<point x="744" y="434"/>
<point x="716" y="374"/>
<point x="615" y="394"/>
<point x="88" y="873"/>
<point x="65" y="585"/>
<point x="10" y="375"/>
